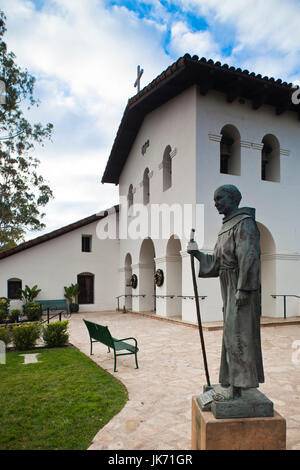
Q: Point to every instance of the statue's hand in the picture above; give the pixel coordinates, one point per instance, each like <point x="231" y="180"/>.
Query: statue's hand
<point x="192" y="248"/>
<point x="241" y="297"/>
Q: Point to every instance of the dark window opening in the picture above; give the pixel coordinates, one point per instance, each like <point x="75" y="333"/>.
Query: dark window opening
<point x="14" y="289"/>
<point x="86" y="243"/>
<point x="130" y="196"/>
<point x="167" y="169"/>
<point x="146" y="185"/>
<point x="266" y="151"/>
<point x="225" y="153"/>
<point x="86" y="288"/>
<point x="270" y="159"/>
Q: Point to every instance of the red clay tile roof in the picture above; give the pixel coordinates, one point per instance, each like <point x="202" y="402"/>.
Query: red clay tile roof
<point x="55" y="233"/>
<point x="185" y="72"/>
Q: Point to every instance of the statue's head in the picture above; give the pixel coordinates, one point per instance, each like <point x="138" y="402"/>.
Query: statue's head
<point x="227" y="199"/>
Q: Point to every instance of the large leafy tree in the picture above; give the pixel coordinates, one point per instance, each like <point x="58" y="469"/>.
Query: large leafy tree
<point x="23" y="192"/>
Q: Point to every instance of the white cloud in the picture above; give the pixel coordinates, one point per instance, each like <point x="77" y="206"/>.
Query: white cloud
<point x="84" y="57"/>
<point x="200" y="42"/>
<point x="265" y="33"/>
<point x="92" y="49"/>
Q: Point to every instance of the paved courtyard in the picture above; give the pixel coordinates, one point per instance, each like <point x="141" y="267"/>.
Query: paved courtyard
<point x="157" y="415"/>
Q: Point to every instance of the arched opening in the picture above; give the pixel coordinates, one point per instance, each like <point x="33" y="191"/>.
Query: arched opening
<point x="230" y="151"/>
<point x="130" y="196"/>
<point x="128" y="287"/>
<point x="270" y="159"/>
<point x="146" y="276"/>
<point x="86" y="288"/>
<point x="146" y="187"/>
<point x="167" y="169"/>
<point x="14" y="288"/>
<point x="268" y="270"/>
<point x="174" y="278"/>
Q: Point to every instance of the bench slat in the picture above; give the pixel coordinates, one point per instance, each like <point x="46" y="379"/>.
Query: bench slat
<point x="100" y="333"/>
<point x="53" y="304"/>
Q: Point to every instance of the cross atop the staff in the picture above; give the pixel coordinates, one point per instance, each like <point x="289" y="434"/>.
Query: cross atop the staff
<point x="139" y="74"/>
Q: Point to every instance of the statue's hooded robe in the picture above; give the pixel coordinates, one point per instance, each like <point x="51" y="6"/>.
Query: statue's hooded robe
<point x="236" y="260"/>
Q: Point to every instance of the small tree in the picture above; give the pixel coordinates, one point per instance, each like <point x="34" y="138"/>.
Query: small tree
<point x="29" y="294"/>
<point x="32" y="309"/>
<point x="22" y="190"/>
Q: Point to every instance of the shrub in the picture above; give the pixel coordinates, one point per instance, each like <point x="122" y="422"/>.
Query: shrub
<point x="3" y="315"/>
<point x="25" y="336"/>
<point x="5" y="335"/>
<point x="14" y="314"/>
<point x="33" y="311"/>
<point x="55" y="334"/>
<point x="4" y="304"/>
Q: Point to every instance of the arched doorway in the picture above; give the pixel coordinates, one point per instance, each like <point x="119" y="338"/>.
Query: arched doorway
<point x="128" y="287"/>
<point x="14" y="288"/>
<point x="268" y="270"/>
<point x="173" y="278"/>
<point x="86" y="288"/>
<point x="146" y="276"/>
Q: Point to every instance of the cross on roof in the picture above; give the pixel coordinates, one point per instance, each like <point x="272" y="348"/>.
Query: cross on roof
<point x="139" y="74"/>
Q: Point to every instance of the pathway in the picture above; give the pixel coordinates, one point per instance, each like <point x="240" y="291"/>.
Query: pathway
<point x="157" y="415"/>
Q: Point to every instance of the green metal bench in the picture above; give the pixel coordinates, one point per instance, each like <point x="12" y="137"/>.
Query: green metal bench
<point x="101" y="334"/>
<point x="49" y="305"/>
<point x="60" y="304"/>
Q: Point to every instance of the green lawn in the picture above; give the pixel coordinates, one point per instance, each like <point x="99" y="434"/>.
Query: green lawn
<point x="59" y="403"/>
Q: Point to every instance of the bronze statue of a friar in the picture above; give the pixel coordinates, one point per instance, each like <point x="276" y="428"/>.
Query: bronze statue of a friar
<point x="236" y="261"/>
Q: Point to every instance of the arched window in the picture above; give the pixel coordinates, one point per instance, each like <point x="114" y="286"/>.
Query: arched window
<point x="167" y="169"/>
<point x="130" y="196"/>
<point x="146" y="187"/>
<point x="14" y="288"/>
<point x="128" y="285"/>
<point x="230" y="153"/>
<point x="270" y="159"/>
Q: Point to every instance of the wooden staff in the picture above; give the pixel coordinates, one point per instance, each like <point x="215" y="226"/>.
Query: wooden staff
<point x="198" y="311"/>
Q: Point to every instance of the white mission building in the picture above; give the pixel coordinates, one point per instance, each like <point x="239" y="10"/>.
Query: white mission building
<point x="197" y="126"/>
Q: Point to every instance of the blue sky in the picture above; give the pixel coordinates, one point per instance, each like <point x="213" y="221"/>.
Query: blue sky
<point x="84" y="54"/>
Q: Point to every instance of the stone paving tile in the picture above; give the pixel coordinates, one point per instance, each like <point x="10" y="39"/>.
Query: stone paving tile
<point x="30" y="358"/>
<point x="157" y="415"/>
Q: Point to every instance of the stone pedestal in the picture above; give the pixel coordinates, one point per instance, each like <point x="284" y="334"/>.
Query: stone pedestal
<point x="250" y="404"/>
<point x="209" y="433"/>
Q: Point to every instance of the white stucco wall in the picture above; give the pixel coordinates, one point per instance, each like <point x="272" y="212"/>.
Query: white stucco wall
<point x="56" y="263"/>
<point x="192" y="123"/>
<point x="277" y="203"/>
<point x="174" y="124"/>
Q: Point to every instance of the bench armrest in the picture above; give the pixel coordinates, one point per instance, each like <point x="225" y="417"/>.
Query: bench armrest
<point x="124" y="339"/>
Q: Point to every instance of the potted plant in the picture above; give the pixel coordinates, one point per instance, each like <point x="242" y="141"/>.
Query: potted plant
<point x="71" y="294"/>
<point x="29" y="294"/>
<point x="31" y="309"/>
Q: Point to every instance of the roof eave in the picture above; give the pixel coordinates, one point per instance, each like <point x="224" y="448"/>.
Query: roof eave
<point x="181" y="75"/>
